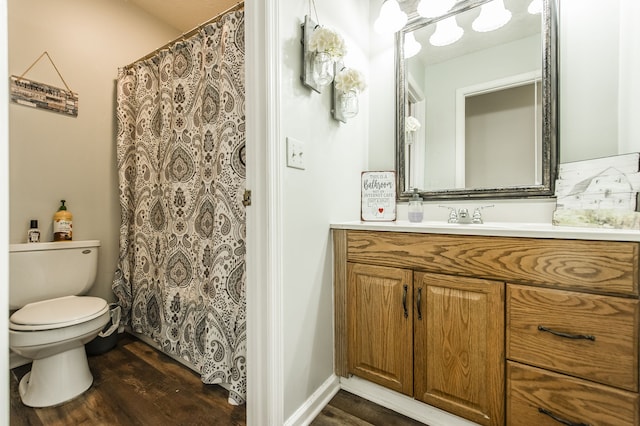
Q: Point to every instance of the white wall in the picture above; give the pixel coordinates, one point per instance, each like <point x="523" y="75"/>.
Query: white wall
<point x="328" y="190"/>
<point x="599" y="86"/>
<point x="54" y="156"/>
<point x="382" y="96"/>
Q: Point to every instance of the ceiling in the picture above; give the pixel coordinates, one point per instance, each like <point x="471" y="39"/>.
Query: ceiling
<point x="184" y="15"/>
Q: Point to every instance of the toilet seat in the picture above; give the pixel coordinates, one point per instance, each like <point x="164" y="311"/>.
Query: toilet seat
<point x="57" y="313"/>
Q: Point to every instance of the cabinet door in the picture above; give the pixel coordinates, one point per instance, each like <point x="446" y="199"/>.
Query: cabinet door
<point x="459" y="346"/>
<point x="379" y="318"/>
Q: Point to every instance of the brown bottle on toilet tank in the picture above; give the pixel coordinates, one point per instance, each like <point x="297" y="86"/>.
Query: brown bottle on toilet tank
<point x="62" y="224"/>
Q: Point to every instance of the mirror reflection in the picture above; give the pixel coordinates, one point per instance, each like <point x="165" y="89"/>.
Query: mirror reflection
<point x="472" y="107"/>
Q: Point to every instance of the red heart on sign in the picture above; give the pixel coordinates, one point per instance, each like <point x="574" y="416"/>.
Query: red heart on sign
<point x="380" y="209"/>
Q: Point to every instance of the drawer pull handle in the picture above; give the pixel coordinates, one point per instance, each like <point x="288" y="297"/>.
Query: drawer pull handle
<point x="567" y="335"/>
<point x="420" y="303"/>
<point x="404" y="301"/>
<point x="560" y="419"/>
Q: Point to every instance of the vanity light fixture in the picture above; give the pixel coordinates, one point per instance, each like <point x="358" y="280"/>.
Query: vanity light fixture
<point x="411" y="45"/>
<point x="493" y="15"/>
<point x="535" y="7"/>
<point x="447" y="32"/>
<point x="434" y="8"/>
<point x="391" y="18"/>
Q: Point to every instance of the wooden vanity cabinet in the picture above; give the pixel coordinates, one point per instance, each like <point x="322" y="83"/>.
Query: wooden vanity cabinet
<point x="498" y="330"/>
<point x="459" y="345"/>
<point x="572" y="358"/>
<point x="380" y="325"/>
<point x="435" y="337"/>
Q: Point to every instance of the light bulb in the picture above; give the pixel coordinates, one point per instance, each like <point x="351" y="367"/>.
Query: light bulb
<point x="411" y="45"/>
<point x="535" y="7"/>
<point x="447" y="32"/>
<point x="492" y="16"/>
<point x="391" y="18"/>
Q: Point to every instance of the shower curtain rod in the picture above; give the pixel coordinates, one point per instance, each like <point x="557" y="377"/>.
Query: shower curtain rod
<point x="191" y="32"/>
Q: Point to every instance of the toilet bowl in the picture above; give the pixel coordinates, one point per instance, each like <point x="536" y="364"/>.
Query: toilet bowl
<point x="53" y="333"/>
<point x="53" y="324"/>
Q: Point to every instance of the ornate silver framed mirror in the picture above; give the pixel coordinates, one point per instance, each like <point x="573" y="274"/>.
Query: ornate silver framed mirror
<point x="476" y="108"/>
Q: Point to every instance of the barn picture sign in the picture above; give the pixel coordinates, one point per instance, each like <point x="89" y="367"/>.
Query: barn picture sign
<point x="602" y="192"/>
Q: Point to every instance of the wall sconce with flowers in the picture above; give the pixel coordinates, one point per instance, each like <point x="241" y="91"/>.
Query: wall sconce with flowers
<point x="321" y="48"/>
<point x="347" y="85"/>
<point x="412" y="125"/>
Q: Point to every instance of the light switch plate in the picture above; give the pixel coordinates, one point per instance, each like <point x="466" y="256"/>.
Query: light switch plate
<point x="296" y="154"/>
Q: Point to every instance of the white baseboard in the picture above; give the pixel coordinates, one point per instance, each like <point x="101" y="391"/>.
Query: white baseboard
<point x="401" y="403"/>
<point x="315" y="403"/>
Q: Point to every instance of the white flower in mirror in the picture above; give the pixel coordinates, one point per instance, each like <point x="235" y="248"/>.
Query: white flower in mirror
<point x="412" y="124"/>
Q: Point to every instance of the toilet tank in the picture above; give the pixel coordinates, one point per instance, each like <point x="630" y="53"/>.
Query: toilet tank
<point x="40" y="271"/>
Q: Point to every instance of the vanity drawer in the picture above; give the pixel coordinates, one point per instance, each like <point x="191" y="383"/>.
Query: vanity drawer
<point x="532" y="392"/>
<point x="593" y="266"/>
<point x="600" y="340"/>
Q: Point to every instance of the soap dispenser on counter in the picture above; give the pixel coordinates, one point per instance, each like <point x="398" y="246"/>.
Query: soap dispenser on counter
<point x="416" y="212"/>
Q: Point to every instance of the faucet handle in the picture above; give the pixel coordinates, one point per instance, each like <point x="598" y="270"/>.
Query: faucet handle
<point x="477" y="215"/>
<point x="453" y="215"/>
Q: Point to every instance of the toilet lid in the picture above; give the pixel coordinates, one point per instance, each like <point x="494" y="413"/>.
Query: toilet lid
<point x="57" y="313"/>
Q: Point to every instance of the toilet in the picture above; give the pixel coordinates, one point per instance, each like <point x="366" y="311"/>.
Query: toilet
<point x="52" y="321"/>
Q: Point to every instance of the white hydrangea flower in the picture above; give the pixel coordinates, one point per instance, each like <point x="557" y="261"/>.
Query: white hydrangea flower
<point x="350" y="79"/>
<point x="411" y="124"/>
<point x="329" y="41"/>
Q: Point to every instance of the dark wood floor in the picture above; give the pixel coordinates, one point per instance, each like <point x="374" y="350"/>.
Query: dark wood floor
<point x="348" y="409"/>
<point x="136" y="385"/>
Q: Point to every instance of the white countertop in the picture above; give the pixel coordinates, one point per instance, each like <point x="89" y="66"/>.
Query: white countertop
<point x="497" y="229"/>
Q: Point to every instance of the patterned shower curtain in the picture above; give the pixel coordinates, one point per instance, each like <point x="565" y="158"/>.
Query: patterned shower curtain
<point x="181" y="165"/>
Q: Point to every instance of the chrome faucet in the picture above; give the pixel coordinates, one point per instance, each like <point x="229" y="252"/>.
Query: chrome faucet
<point x="477" y="215"/>
<point x="453" y="214"/>
<point x="462" y="215"/>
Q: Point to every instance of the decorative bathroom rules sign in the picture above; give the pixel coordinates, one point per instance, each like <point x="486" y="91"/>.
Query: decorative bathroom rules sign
<point x="378" y="196"/>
